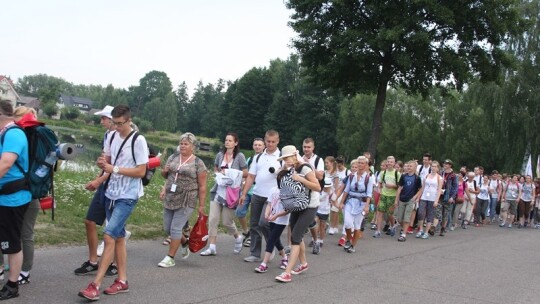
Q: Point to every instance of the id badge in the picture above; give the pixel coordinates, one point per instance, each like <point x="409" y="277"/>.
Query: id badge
<point x="173" y="188"/>
<point x="428" y="194"/>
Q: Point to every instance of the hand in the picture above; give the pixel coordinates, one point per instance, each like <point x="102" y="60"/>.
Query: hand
<point x="166" y="169"/>
<point x="201" y="209"/>
<point x="436" y="204"/>
<point x="162" y="194"/>
<point x="296" y="177"/>
<point x="451" y="200"/>
<point x="92" y="186"/>
<point x="340" y="207"/>
<point x="241" y="200"/>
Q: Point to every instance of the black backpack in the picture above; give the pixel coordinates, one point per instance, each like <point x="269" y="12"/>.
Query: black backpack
<point x="151" y="153"/>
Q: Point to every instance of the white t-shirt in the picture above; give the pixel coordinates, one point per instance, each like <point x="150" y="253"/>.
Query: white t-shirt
<point x="121" y="186"/>
<point x="277" y="207"/>
<point x="342" y="174"/>
<point x="320" y="167"/>
<point x="324" y="198"/>
<point x="484" y="192"/>
<point x="264" y="180"/>
<point x="423" y="171"/>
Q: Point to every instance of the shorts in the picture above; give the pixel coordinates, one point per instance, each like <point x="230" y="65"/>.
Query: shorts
<point x="11" y="221"/>
<point x="242" y="210"/>
<point x="510" y="206"/>
<point x="96" y="210"/>
<point x="386" y="204"/>
<point x="404" y="211"/>
<point x="118" y="212"/>
<point x="323" y="217"/>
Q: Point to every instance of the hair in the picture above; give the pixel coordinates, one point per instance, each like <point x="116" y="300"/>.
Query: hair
<point x="436" y="163"/>
<point x="189" y="137"/>
<point x="21" y="111"/>
<point x="362" y="158"/>
<point x="332" y="160"/>
<point x="354" y="162"/>
<point x="271" y="132"/>
<point x="427" y="154"/>
<point x="258" y="139"/>
<point x="236" y="140"/>
<point x="309" y="140"/>
<point x="121" y="111"/>
<point x="367" y="154"/>
<point x="6" y="108"/>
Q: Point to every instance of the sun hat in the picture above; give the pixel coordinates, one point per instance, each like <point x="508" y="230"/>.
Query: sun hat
<point x="287" y="151"/>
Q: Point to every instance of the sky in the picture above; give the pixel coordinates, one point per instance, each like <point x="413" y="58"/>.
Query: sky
<point x="118" y="41"/>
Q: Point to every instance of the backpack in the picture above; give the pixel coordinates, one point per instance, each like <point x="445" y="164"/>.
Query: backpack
<point x="395" y="176"/>
<point x="42" y="157"/>
<point x="293" y="194"/>
<point x="151" y="153"/>
<point x="321" y="181"/>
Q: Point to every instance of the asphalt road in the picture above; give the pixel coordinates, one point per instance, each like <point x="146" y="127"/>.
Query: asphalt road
<point x="477" y="265"/>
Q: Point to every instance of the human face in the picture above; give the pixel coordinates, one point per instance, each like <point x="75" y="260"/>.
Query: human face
<point x="528" y="179"/>
<point x="122" y="124"/>
<point x="426" y="161"/>
<point x="230" y="143"/>
<point x="308" y="149"/>
<point x="290" y="161"/>
<point x="434" y="168"/>
<point x="390" y="162"/>
<point x="362" y="165"/>
<point x="107" y="123"/>
<point x="476" y="171"/>
<point x="329" y="165"/>
<point x="354" y="167"/>
<point x="186" y="148"/>
<point x="409" y="168"/>
<point x="258" y="146"/>
<point x="271" y="142"/>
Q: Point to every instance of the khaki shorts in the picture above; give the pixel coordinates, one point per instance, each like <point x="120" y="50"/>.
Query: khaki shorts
<point x="510" y="207"/>
<point x="404" y="211"/>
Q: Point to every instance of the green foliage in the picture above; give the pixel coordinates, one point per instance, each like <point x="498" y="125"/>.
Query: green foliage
<point x="70" y="113"/>
<point x="49" y="109"/>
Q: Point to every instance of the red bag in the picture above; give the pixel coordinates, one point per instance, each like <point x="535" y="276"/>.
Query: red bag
<point x="199" y="234"/>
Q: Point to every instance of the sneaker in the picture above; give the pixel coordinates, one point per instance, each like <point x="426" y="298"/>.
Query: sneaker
<point x="316" y="248"/>
<point x="347" y="245"/>
<point x="184" y="250"/>
<point x="247" y="239"/>
<point x="373" y="227"/>
<point x="238" y="244"/>
<point x="127" y="236"/>
<point x="100" y="249"/>
<point x="91" y="292"/>
<point x="392" y="231"/>
<point x="284" y="264"/>
<point x="300" y="268"/>
<point x="452" y="228"/>
<point x="261" y="268"/>
<point x="419" y="234"/>
<point x="112" y="271"/>
<point x="377" y="234"/>
<point x="351" y="249"/>
<point x="284" y="277"/>
<point x="252" y="258"/>
<point x="167" y="241"/>
<point x="501" y="225"/>
<point x="385" y="228"/>
<point x="2" y="273"/>
<point x="166" y="262"/>
<point x="509" y="225"/>
<point x="410" y="230"/>
<point x="208" y="252"/>
<point x="9" y="292"/>
<point x="86" y="268"/>
<point x="425" y="236"/>
<point x="342" y="242"/>
<point x="23" y="279"/>
<point x="117" y="287"/>
<point x="332" y="230"/>
<point x="431" y="231"/>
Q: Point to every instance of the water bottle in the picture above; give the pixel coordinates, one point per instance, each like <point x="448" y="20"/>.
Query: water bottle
<point x="43" y="169"/>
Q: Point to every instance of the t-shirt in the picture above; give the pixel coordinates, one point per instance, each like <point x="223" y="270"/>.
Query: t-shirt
<point x="121" y="186"/>
<point x="526" y="192"/>
<point x="264" y="179"/>
<point x="324" y="198"/>
<point x="512" y="191"/>
<point x="484" y="192"/>
<point x="314" y="195"/>
<point x="185" y="177"/>
<point x="238" y="163"/>
<point x="410" y="185"/>
<point x="342" y="174"/>
<point x="277" y="207"/>
<point x="493" y="184"/>
<point x="388" y="177"/>
<point x="15" y="142"/>
<point x="423" y="171"/>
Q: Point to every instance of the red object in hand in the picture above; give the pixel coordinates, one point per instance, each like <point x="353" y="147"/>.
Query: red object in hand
<point x="199" y="234"/>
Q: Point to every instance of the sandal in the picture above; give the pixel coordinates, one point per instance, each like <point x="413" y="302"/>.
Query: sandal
<point x="402" y="239"/>
<point x="167" y="241"/>
<point x="23" y="279"/>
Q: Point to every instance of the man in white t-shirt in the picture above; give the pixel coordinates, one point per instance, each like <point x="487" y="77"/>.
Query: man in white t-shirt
<point x="125" y="160"/>
<point x="263" y="172"/>
<point x="316" y="162"/>
<point x="425" y="168"/>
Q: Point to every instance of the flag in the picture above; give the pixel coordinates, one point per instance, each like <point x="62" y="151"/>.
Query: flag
<point x="528" y="169"/>
<point x="538" y="167"/>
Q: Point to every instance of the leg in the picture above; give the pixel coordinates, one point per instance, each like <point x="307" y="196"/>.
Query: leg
<point x="27" y="235"/>
<point x="257" y="205"/>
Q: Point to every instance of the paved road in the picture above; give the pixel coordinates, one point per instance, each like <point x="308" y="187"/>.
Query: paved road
<point x="477" y="265"/>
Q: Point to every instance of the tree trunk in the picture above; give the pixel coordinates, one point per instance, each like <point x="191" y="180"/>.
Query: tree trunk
<point x="376" y="127"/>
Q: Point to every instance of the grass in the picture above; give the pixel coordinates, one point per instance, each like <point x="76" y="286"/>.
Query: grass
<point x="72" y="202"/>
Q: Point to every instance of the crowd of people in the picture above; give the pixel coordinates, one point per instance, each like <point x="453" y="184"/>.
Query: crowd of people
<point x="282" y="190"/>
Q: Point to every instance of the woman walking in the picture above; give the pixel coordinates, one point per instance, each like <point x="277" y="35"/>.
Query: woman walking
<point x="429" y="199"/>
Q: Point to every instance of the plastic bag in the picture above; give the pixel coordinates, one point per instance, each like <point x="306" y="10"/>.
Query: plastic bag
<point x="199" y="234"/>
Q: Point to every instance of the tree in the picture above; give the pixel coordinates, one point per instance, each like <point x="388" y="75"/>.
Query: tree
<point x="70" y="113"/>
<point x="154" y="84"/>
<point x="50" y="109"/>
<point x="365" y="46"/>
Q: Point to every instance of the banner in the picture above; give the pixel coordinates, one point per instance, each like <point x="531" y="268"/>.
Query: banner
<point x="528" y="169"/>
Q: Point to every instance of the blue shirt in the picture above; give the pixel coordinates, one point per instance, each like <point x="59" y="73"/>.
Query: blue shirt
<point x="15" y="142"/>
<point x="411" y="184"/>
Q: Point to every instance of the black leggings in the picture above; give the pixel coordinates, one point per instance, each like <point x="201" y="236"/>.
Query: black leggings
<point x="274" y="237"/>
<point x="299" y="222"/>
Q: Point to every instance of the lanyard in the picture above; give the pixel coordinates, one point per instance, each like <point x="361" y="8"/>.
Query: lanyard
<point x="181" y="164"/>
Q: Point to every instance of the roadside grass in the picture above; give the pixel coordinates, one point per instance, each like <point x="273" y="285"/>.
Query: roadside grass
<point x="72" y="202"/>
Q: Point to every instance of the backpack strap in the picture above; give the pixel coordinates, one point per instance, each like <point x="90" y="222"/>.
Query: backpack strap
<point x="17" y="161"/>
<point x="135" y="135"/>
<point x="317" y="159"/>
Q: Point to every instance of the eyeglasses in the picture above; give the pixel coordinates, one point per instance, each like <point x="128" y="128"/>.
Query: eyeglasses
<point x="119" y="124"/>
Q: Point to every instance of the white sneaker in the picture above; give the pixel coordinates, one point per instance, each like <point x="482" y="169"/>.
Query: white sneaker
<point x="184" y="251"/>
<point x="128" y="234"/>
<point x="208" y="252"/>
<point x="238" y="244"/>
<point x="100" y="248"/>
<point x="332" y="231"/>
<point x="166" y="262"/>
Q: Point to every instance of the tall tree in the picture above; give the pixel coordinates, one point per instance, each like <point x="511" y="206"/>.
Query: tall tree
<point x="365" y="46"/>
<point x="154" y="84"/>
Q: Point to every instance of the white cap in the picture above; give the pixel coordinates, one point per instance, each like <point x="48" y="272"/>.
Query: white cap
<point x="105" y="112"/>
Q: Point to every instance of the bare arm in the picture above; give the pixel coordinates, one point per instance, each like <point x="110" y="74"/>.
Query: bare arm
<point x="6" y="162"/>
<point x="201" y="181"/>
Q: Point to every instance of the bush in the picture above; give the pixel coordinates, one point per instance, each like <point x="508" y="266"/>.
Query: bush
<point x="70" y="113"/>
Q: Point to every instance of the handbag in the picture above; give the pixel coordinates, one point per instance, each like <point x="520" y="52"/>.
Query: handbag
<point x="293" y="194"/>
<point x="199" y="234"/>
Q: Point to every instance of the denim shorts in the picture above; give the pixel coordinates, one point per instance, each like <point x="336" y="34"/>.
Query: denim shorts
<point x="118" y="212"/>
<point x="241" y="211"/>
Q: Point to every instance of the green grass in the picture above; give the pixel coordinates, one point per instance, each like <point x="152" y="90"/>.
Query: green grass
<point x="72" y="202"/>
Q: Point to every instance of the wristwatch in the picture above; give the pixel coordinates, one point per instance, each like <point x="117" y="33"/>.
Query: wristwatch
<point x="116" y="169"/>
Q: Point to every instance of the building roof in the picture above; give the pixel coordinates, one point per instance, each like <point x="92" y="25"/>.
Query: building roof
<point x="80" y="102"/>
